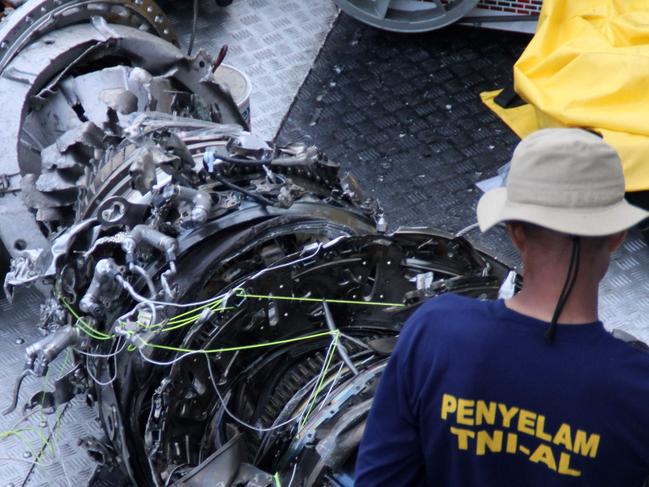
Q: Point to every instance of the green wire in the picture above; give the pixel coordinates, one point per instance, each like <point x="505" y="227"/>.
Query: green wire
<point x="191" y="316"/>
<point x="207" y="305"/>
<point x="278" y="482"/>
<point x="86" y="328"/>
<point x="240" y="348"/>
<point x="243" y="294"/>
<point x="322" y="379"/>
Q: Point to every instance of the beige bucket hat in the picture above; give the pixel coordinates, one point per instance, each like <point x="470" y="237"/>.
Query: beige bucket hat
<point x="567" y="180"/>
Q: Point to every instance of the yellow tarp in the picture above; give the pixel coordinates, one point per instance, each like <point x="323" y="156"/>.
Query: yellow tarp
<point x="588" y="66"/>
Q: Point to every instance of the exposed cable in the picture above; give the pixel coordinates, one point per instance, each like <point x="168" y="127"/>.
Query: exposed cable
<point x="147" y="279"/>
<point x="192" y="37"/>
<point x="237" y="419"/>
<point x="114" y="357"/>
<point x="257" y="197"/>
<point x="320" y="386"/>
<point x="243" y="294"/>
<point x="254" y="346"/>
<point x="290" y="482"/>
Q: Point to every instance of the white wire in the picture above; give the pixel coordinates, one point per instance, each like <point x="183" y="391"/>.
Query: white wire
<point x="171" y="362"/>
<point x="277" y="426"/>
<point x="330" y="350"/>
<point x="333" y="383"/>
<point x="97" y="381"/>
<point x="292" y="475"/>
<point x="138" y="297"/>
<point x="223" y="297"/>
<point x="171" y="474"/>
<point x="222" y="400"/>
<point x="287" y="264"/>
<point x="147" y="279"/>
<point x="238" y="420"/>
<point x="100" y="355"/>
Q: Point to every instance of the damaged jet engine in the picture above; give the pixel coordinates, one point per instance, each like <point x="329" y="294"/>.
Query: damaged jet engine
<point x="229" y="303"/>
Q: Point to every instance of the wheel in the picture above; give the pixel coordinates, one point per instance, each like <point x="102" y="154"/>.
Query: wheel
<point x="407" y="15"/>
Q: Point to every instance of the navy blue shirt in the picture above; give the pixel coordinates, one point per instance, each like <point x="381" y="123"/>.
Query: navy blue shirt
<point x="474" y="396"/>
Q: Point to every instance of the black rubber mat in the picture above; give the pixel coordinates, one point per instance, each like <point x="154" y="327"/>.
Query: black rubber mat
<point x="404" y="114"/>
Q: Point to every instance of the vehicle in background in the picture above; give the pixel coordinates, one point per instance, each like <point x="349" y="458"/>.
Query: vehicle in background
<point x="414" y="16"/>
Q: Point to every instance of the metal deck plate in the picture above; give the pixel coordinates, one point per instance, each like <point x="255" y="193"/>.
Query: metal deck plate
<point x="273" y="41"/>
<point x="38" y="449"/>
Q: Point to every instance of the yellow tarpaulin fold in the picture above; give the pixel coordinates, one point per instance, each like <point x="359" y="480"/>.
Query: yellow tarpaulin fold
<point x="588" y="66"/>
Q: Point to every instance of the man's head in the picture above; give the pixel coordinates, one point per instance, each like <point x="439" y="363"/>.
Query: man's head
<point x="546" y="252"/>
<point x="566" y="180"/>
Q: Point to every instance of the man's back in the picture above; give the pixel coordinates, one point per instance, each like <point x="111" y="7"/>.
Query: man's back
<point x="474" y="396"/>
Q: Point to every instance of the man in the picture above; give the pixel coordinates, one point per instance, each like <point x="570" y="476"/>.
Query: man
<point x="531" y="391"/>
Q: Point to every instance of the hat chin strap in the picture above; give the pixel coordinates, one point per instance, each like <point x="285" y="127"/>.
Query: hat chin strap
<point x="571" y="278"/>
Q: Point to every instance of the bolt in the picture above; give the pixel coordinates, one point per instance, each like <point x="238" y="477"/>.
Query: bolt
<point x="27" y="454"/>
<point x="20" y="341"/>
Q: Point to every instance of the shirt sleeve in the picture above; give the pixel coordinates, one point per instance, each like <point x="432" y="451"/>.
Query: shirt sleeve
<point x="390" y="452"/>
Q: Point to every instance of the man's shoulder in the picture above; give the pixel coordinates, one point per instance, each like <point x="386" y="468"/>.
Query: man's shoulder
<point x="447" y="314"/>
<point x="450" y="304"/>
<point x="631" y="354"/>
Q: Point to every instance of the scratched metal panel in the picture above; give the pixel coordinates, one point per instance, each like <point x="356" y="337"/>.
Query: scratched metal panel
<point x="273" y="41"/>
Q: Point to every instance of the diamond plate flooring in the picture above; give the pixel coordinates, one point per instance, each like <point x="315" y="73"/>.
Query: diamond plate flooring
<point x="38" y="449"/>
<point x="403" y="113"/>
<point x="273" y="41"/>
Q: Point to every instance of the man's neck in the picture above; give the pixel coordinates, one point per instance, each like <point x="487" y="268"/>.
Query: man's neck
<point x="539" y="299"/>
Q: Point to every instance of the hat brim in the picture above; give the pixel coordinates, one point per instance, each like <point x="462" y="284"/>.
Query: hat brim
<point x="494" y="208"/>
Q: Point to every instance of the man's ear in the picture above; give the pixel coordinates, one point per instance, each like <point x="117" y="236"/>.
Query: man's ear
<point x="616" y="240"/>
<point x="517" y="233"/>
